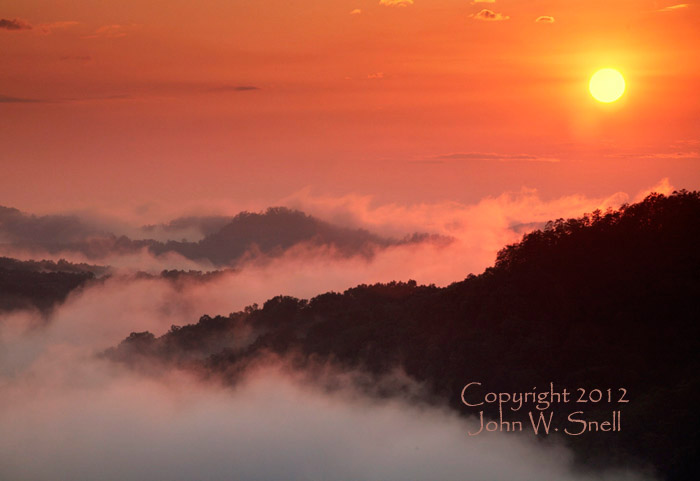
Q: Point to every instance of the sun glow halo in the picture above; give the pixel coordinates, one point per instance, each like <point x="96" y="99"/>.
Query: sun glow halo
<point x="607" y="85"/>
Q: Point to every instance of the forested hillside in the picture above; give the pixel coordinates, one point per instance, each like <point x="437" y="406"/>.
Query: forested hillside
<point x="608" y="300"/>
<point x="40" y="284"/>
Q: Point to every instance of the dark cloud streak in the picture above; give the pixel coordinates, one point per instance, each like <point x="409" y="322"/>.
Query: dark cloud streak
<point x="234" y="88"/>
<point x="14" y="24"/>
<point x="7" y="99"/>
<point x="496" y="157"/>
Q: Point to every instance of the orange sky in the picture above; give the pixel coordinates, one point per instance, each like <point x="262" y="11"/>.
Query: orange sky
<point x="106" y="104"/>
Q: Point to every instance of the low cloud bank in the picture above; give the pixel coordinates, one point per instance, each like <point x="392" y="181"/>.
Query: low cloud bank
<point x="226" y="242"/>
<point x="74" y="417"/>
<point x="466" y="241"/>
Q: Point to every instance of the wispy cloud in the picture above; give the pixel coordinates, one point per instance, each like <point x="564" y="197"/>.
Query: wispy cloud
<point x="357" y="11"/>
<point x="15" y="24"/>
<point x="674" y="7"/>
<point x="544" y="19"/>
<point x="674" y="155"/>
<point x="396" y="3"/>
<point x="489" y="16"/>
<point x="111" y="31"/>
<point x="483" y="1"/>
<point x="493" y="157"/>
<point x="76" y="58"/>
<point x="6" y="99"/>
<point x="234" y="88"/>
<point x="685" y="142"/>
<point x="48" y="28"/>
<point x="679" y="155"/>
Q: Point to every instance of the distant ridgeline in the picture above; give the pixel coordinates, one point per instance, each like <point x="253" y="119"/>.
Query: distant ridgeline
<point x="226" y="241"/>
<point x="44" y="285"/>
<point x="608" y="300"/>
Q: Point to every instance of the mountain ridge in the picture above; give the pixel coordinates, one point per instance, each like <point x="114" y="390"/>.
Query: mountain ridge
<point x="607" y="300"/>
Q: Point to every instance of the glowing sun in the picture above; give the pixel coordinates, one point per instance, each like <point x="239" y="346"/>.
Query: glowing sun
<point x="607" y="85"/>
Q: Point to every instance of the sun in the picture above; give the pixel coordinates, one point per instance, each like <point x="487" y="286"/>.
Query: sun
<point x="607" y="85"/>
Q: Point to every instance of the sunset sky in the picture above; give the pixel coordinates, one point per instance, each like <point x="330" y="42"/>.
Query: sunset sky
<point x="431" y="163"/>
<point x="140" y="102"/>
